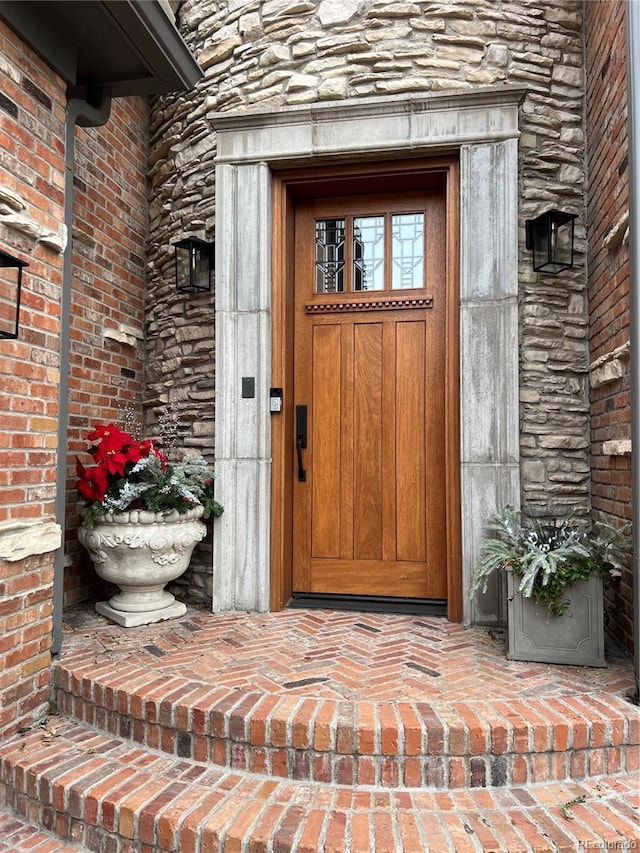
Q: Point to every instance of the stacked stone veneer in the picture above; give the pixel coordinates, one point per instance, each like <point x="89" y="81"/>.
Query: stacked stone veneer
<point x="268" y="55"/>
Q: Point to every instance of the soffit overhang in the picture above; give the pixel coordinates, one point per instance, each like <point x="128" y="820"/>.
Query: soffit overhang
<point x="129" y="47"/>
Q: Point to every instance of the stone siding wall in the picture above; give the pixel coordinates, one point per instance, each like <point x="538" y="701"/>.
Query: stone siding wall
<point x="107" y="304"/>
<point x="268" y="55"/>
<point x="32" y="115"/>
<point x="609" y="282"/>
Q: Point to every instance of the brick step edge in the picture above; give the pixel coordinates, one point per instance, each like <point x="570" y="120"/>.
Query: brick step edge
<point x="112" y="796"/>
<point x="388" y="744"/>
<point x="19" y="836"/>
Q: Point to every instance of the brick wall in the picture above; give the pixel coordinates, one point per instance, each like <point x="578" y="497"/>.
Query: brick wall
<point x="107" y="332"/>
<point x="31" y="214"/>
<point x="107" y="312"/>
<point x="608" y="261"/>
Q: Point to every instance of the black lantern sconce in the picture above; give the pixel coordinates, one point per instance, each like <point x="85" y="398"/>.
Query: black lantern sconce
<point x="10" y="288"/>
<point x="550" y="238"/>
<point x="195" y="261"/>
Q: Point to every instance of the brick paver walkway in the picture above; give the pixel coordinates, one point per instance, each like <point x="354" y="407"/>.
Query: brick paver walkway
<point x="335" y="655"/>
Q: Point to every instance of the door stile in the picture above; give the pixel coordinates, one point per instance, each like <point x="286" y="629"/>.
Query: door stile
<point x="303" y="344"/>
<point x="282" y="325"/>
<point x="437" y="357"/>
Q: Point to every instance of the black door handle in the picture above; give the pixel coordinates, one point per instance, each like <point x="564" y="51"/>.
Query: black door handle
<point x="301" y="440"/>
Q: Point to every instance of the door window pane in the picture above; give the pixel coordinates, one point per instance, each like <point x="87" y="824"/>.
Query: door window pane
<point x="330" y="256"/>
<point x="368" y="253"/>
<point x="407" y="251"/>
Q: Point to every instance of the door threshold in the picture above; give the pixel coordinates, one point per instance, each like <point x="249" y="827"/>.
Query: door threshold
<point x="370" y="603"/>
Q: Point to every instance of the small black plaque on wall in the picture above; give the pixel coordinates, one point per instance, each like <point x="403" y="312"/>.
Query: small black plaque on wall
<point x="248" y="387"/>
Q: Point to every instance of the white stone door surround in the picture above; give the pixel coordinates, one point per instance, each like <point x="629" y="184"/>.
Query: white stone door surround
<point x="482" y="125"/>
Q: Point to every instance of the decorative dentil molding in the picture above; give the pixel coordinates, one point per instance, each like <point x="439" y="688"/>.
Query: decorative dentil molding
<point x="374" y="305"/>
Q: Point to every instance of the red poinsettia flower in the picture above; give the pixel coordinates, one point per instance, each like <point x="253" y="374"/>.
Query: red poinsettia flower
<point x="116" y="449"/>
<point x="112" y="441"/>
<point x="92" y="482"/>
<point x="109" y="432"/>
<point x="115" y="463"/>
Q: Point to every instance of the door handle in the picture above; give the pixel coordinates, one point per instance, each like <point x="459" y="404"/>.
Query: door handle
<point x="301" y="440"/>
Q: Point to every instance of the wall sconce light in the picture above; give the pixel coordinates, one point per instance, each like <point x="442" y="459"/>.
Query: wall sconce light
<point x="195" y="260"/>
<point x="10" y="288"/>
<point x="550" y="237"/>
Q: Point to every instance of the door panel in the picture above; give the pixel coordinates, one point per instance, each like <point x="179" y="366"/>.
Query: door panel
<point x="325" y="433"/>
<point x="367" y="441"/>
<point x="411" y="471"/>
<point x="370" y="518"/>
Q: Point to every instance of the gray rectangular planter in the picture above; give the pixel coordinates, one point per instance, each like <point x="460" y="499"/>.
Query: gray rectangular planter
<point x="576" y="637"/>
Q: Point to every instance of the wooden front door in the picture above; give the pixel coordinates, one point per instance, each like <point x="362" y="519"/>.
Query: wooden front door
<point x="370" y="454"/>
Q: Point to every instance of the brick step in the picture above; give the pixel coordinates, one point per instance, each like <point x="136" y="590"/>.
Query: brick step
<point x="112" y="796"/>
<point x="454" y="745"/>
<point x="19" y="836"/>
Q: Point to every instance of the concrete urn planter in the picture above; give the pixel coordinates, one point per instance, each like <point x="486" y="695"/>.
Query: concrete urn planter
<point x="576" y="637"/>
<point x="141" y="552"/>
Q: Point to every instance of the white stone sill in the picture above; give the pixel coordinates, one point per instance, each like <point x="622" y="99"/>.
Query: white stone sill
<point x="19" y="540"/>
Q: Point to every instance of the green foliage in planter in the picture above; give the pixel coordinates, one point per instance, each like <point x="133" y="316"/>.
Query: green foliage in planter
<point x="548" y="555"/>
<point x="552" y="594"/>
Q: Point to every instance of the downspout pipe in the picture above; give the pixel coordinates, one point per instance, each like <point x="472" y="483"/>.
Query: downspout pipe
<point x="633" y="112"/>
<point x="92" y="111"/>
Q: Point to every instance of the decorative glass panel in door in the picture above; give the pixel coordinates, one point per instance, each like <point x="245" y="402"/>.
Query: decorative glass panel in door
<point x="407" y="251"/>
<point x="330" y="256"/>
<point x="368" y="253"/>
